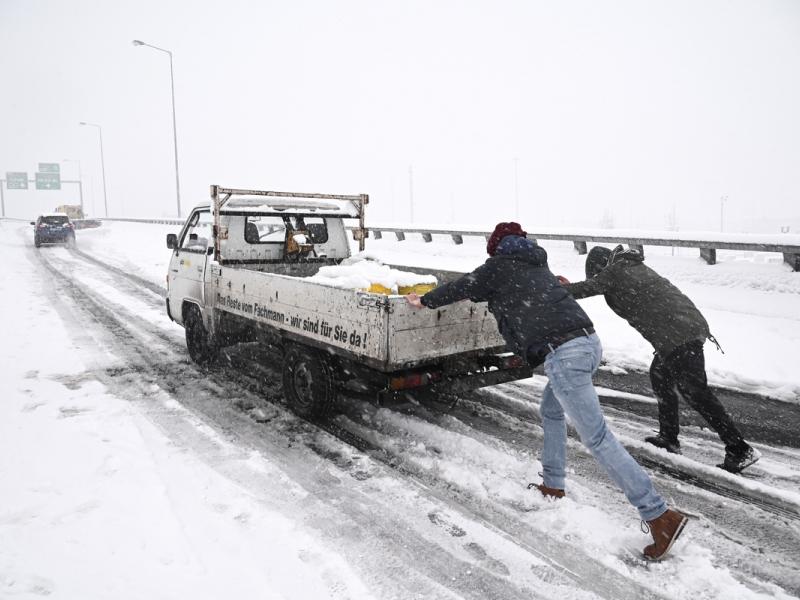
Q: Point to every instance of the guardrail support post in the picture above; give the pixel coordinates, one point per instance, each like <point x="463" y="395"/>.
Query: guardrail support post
<point x="400" y="236"/>
<point x="427" y="237"/>
<point x="793" y="260"/>
<point x="580" y="247"/>
<point x="378" y="234"/>
<point x="638" y="247"/>
<point x="709" y="255"/>
<point x="457" y="239"/>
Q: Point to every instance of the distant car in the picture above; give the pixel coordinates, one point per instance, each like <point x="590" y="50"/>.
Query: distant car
<point x="53" y="228"/>
<point x="73" y="211"/>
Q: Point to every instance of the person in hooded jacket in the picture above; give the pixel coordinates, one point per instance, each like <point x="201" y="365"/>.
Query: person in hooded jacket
<point x="671" y="322"/>
<point x="540" y="321"/>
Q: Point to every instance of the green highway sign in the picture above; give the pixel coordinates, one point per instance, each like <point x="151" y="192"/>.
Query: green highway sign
<point x="16" y="180"/>
<point x="48" y="181"/>
<point x="49" y="168"/>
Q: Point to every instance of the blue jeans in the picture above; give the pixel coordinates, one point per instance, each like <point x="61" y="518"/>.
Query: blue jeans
<point x="569" y="389"/>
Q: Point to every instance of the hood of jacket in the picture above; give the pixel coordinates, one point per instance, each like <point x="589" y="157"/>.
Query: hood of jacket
<point x="514" y="246"/>
<point x="620" y="254"/>
<point x="599" y="258"/>
<point x="596" y="261"/>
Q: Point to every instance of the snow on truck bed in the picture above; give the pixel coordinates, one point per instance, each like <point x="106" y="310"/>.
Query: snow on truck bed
<point x="363" y="270"/>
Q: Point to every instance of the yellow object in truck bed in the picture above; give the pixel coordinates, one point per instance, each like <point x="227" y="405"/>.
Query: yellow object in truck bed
<point x="377" y="288"/>
<point x="419" y="288"/>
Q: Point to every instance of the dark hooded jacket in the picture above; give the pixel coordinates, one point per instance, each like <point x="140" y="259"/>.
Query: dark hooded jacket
<point x="649" y="302"/>
<point x="531" y="308"/>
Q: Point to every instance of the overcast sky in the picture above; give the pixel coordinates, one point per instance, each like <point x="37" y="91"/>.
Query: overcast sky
<point x="577" y="109"/>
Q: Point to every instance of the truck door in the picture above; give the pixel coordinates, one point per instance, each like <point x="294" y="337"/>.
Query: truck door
<point x="187" y="265"/>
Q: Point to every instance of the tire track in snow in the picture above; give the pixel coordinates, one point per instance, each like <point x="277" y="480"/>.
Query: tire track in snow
<point x="154" y="365"/>
<point x="379" y="453"/>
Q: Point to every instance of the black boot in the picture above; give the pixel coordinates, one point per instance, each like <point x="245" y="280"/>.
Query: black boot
<point x="659" y="441"/>
<point x="736" y="462"/>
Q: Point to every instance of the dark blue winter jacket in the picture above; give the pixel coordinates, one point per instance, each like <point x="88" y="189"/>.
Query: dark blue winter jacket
<point x="532" y="309"/>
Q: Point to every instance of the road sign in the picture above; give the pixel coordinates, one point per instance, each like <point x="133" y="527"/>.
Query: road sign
<point x="48" y="181"/>
<point x="49" y="168"/>
<point x="16" y="180"/>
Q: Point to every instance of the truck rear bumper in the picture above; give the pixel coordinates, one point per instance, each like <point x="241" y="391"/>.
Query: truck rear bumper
<point x="434" y="384"/>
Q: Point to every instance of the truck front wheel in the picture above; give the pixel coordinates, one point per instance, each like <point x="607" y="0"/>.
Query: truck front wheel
<point x="201" y="348"/>
<point x="308" y="383"/>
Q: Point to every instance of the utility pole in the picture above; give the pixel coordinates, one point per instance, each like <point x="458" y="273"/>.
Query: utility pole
<point x="722" y="201"/>
<point x="411" y="191"/>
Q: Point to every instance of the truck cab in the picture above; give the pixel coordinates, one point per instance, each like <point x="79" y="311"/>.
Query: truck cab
<point x="289" y="234"/>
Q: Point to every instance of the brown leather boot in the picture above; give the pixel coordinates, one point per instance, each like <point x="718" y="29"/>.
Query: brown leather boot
<point x="665" y="530"/>
<point x="548" y="492"/>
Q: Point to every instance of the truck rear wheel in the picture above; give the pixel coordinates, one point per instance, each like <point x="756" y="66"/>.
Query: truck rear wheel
<point x="201" y="348"/>
<point x="308" y="383"/>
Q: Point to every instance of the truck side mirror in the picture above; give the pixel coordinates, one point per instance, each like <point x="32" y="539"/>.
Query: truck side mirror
<point x="33" y="223"/>
<point x="172" y="241"/>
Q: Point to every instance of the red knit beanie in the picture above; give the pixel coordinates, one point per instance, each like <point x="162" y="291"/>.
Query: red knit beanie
<point x="501" y="230"/>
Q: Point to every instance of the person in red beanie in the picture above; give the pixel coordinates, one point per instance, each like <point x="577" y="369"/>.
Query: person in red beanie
<point x="539" y="320"/>
<point x="501" y="230"/>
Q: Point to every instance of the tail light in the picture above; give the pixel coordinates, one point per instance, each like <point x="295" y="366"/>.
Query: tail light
<point x="70" y="225"/>
<point x="42" y="226"/>
<point x="413" y="380"/>
<point x="409" y="381"/>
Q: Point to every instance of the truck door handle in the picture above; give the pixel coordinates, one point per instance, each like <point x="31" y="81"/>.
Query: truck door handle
<point x="199" y="269"/>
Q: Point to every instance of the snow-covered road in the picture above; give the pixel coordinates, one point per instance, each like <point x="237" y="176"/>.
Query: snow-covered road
<point x="127" y="472"/>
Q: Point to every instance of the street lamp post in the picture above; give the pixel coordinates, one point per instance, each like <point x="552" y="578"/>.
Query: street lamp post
<point x="174" y="125"/>
<point x="102" y="163"/>
<point x="80" y="178"/>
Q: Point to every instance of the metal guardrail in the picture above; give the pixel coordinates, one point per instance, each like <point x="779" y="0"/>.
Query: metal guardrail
<point x="150" y="221"/>
<point x="708" y="248"/>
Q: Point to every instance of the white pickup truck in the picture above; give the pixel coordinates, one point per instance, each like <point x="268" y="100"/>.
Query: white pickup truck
<point x="239" y="273"/>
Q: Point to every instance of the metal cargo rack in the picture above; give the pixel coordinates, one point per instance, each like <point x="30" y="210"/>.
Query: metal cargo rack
<point x="221" y="196"/>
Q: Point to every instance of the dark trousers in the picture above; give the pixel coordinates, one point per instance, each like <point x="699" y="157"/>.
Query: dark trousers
<point x="684" y="372"/>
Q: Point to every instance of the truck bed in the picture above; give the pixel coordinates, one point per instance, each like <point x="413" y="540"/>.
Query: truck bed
<point x="383" y="332"/>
